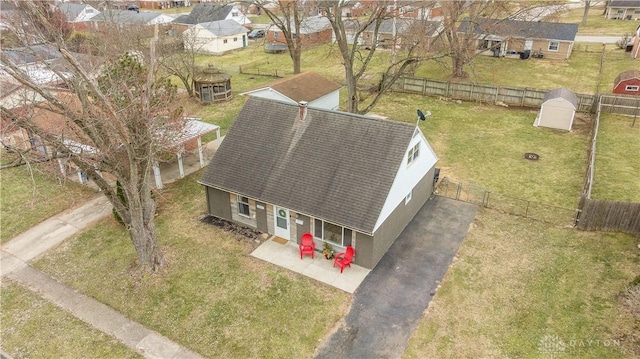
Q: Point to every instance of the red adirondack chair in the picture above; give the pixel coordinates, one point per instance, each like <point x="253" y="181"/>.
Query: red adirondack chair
<point x="307" y="245"/>
<point x="344" y="259"/>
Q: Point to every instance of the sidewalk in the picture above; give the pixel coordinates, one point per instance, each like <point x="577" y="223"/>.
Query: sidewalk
<point x="16" y="254"/>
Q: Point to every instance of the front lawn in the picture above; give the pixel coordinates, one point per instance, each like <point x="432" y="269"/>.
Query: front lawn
<point x="29" y="197"/>
<point x="211" y="296"/>
<point x="520" y="289"/>
<point x="34" y="328"/>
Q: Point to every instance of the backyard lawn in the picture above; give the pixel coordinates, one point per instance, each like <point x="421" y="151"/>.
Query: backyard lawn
<point x="617" y="166"/>
<point x="596" y="23"/>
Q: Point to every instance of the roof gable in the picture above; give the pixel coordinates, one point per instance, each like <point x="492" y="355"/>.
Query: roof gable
<point x="306" y="86"/>
<point x="522" y="29"/>
<point x="626" y="75"/>
<point x="332" y="165"/>
<point x="563" y="93"/>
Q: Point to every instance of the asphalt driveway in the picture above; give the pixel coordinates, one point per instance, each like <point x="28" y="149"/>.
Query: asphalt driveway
<point x="389" y="303"/>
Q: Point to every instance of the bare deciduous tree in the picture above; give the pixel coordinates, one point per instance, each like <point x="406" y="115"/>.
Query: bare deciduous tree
<point x="112" y="122"/>
<point x="287" y="16"/>
<point x="407" y="50"/>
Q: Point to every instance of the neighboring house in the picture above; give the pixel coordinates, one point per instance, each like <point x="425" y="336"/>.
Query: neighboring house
<point x="635" y="47"/>
<point x="123" y="18"/>
<point x="163" y="4"/>
<point x="627" y="83"/>
<point x="500" y="37"/>
<point x="77" y="14"/>
<point x="205" y="12"/>
<point x="623" y="10"/>
<point x="216" y="37"/>
<point x="317" y="91"/>
<point x="313" y="30"/>
<point x="558" y="109"/>
<point x="406" y="31"/>
<point x="349" y="179"/>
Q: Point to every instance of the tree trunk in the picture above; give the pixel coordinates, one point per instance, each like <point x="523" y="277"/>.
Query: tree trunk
<point x="295" y="56"/>
<point x="587" y="5"/>
<point x="143" y="231"/>
<point x="458" y="67"/>
<point x="352" y="91"/>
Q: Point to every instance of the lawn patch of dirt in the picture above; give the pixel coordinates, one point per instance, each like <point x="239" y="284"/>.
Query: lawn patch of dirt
<point x="251" y="235"/>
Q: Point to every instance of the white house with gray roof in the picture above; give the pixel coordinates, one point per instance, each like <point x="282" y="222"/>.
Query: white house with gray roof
<point x="287" y="169"/>
<point x="77" y="12"/>
<point x="216" y="37"/>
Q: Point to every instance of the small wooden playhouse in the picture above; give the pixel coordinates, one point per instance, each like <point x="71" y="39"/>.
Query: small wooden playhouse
<point x="558" y="109"/>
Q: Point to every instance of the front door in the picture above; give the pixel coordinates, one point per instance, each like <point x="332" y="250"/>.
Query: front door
<point x="528" y="45"/>
<point x="282" y="228"/>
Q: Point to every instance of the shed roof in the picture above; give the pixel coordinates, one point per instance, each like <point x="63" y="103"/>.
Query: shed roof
<point x="223" y="27"/>
<point x="306" y="86"/>
<point x="626" y="75"/>
<point x="522" y="29"/>
<point x="564" y="93"/>
<point x="332" y="165"/>
<point x="205" y="13"/>
<point x="71" y="10"/>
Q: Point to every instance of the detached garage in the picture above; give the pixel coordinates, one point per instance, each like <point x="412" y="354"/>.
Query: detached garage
<point x="558" y="109"/>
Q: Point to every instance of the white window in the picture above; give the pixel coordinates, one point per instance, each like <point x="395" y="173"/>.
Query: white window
<point x="414" y="152"/>
<point x="332" y="233"/>
<point x="632" y="88"/>
<point x="234" y="13"/>
<point x="235" y="39"/>
<point x="243" y="206"/>
<point x="224" y="41"/>
<point x="554" y="45"/>
<point x="408" y="197"/>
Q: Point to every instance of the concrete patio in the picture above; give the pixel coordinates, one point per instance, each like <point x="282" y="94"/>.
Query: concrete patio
<point x="287" y="256"/>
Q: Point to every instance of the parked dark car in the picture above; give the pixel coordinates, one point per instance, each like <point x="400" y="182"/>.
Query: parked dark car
<point x="256" y="34"/>
<point x="133" y="8"/>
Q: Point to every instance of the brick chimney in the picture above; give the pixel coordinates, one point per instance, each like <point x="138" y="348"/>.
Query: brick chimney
<point x="302" y="106"/>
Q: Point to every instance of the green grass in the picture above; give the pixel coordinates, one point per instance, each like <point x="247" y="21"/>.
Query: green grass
<point x="211" y="296"/>
<point x="26" y="201"/>
<point x="485" y="145"/>
<point x="517" y="281"/>
<point x="617" y="166"/>
<point x="51" y="332"/>
<point x="597" y="24"/>
<point x="579" y="73"/>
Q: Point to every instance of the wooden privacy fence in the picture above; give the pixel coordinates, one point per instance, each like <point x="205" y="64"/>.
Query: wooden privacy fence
<point x="601" y="215"/>
<point x="620" y="104"/>
<point x="510" y="95"/>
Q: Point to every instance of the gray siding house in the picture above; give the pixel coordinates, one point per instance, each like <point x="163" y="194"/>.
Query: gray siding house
<point x="286" y="169"/>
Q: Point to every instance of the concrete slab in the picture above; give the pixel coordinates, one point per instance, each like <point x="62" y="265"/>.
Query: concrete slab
<point x="156" y="346"/>
<point x="10" y="263"/>
<point x="288" y="256"/>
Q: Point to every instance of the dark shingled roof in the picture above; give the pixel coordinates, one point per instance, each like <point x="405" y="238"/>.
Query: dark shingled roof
<point x="564" y="93"/>
<point x="205" y="13"/>
<point x="523" y="29"/>
<point x="624" y="3"/>
<point x="333" y="165"/>
<point x="626" y="75"/>
<point x="306" y="86"/>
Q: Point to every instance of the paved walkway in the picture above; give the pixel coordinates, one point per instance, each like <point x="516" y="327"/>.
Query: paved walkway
<point x="390" y="302"/>
<point x="33" y="243"/>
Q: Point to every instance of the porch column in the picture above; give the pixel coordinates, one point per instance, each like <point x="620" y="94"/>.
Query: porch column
<point x="180" y="166"/>
<point x="156" y="174"/>
<point x="218" y="137"/>
<point x="80" y="176"/>
<point x="200" y="153"/>
<point x="63" y="170"/>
